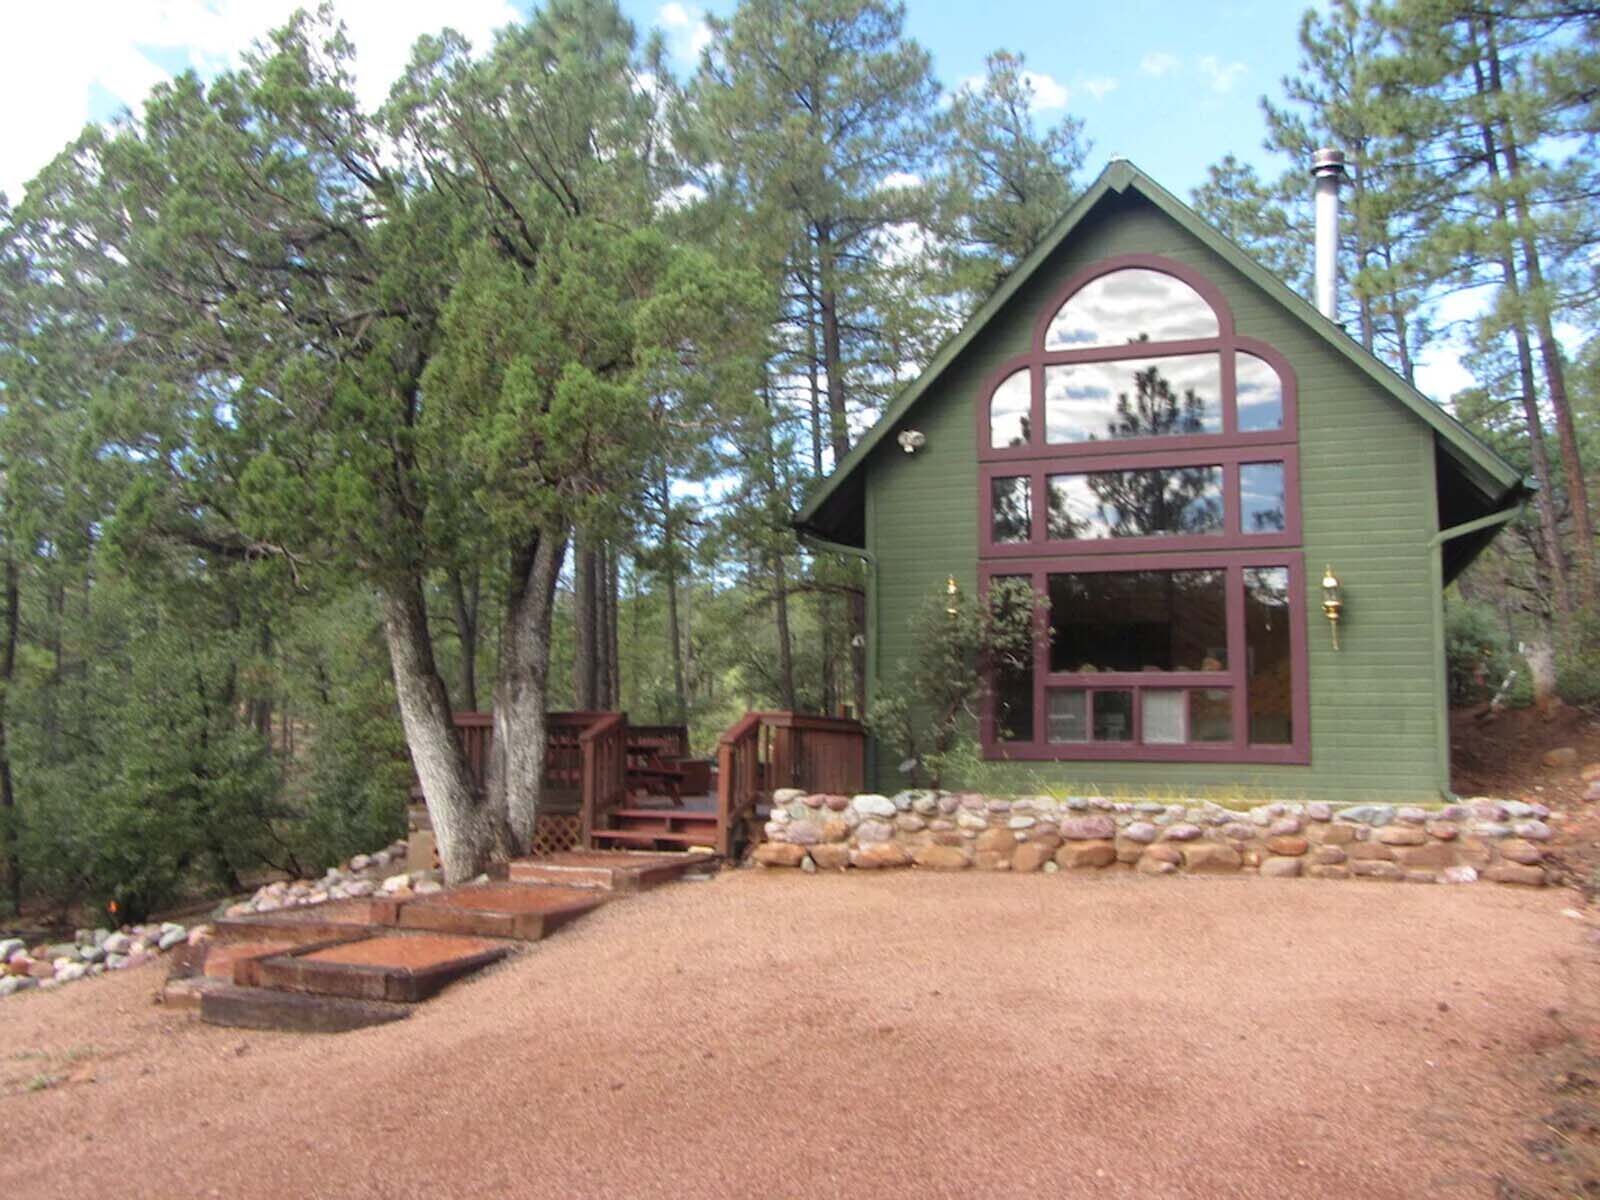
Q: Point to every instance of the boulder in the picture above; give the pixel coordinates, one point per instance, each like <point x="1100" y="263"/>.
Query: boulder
<point x="992" y="860"/>
<point x="1086" y="854"/>
<point x="1088" y="829"/>
<point x="803" y="833"/>
<point x="9" y="946"/>
<point x="831" y="856"/>
<point x="1534" y="831"/>
<point x="1590" y="772"/>
<point x="874" y="831"/>
<point x="1561" y="756"/>
<point x="789" y="795"/>
<point x="941" y="858"/>
<point x="870" y="804"/>
<point x="1238" y="831"/>
<point x="1142" y="832"/>
<point x="1519" y="851"/>
<point x="1375" y="869"/>
<point x="1282" y="868"/>
<point x="881" y="855"/>
<point x="1332" y="871"/>
<point x="1284" y="826"/>
<point x="1288" y="847"/>
<point x="1367" y="814"/>
<point x="1021" y="822"/>
<point x="1337" y="834"/>
<point x="1433" y="855"/>
<point x="1210" y="858"/>
<point x="1319" y="810"/>
<point x="776" y="854"/>
<point x="835" y="829"/>
<point x="1155" y="866"/>
<point x="1184" y="832"/>
<point x="1516" y="873"/>
<point x="1369" y="852"/>
<point x="1401" y="835"/>
<point x="1030" y="856"/>
<point x="1001" y="841"/>
<point x="1328" y="856"/>
<point x="1460" y="875"/>
<point x="1162" y="852"/>
<point x="1445" y="831"/>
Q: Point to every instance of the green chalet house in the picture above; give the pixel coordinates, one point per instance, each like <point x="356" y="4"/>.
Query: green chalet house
<point x="1174" y="449"/>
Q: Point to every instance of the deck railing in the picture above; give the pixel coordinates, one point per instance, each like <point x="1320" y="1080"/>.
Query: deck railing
<point x="662" y="741"/>
<point x="767" y="751"/>
<point x="604" y="746"/>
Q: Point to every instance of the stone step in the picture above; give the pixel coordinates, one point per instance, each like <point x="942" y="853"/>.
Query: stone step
<point x="402" y="968"/>
<point x="292" y="1012"/>
<point x="523" y="911"/>
<point x="609" y="870"/>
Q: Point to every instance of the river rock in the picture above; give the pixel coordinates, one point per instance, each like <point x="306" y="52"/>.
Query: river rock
<point x="1085" y="829"/>
<point x="870" y="804"/>
<point x="1142" y="832"/>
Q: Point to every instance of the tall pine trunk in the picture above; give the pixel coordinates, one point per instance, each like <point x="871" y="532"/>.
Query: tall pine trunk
<point x="463" y="822"/>
<point x="10" y="827"/>
<point x="585" y="677"/>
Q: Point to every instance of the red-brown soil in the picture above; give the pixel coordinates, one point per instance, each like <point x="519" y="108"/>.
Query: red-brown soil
<point x="412" y="951"/>
<point x="904" y="1034"/>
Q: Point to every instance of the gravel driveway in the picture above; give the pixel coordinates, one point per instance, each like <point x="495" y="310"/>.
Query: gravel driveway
<point x="768" y="1034"/>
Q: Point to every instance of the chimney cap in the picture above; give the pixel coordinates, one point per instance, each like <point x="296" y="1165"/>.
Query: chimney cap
<point x="1328" y="161"/>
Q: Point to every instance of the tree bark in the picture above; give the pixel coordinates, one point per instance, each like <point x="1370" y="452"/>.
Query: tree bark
<point x="1549" y="349"/>
<point x="464" y="598"/>
<point x="613" y="646"/>
<point x="833" y="365"/>
<point x="583" y="625"/>
<point x="521" y="694"/>
<point x="462" y="822"/>
<point x="1544" y="502"/>
<point x="9" y="825"/>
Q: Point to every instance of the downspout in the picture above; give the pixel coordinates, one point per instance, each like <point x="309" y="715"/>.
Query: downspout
<point x="816" y="541"/>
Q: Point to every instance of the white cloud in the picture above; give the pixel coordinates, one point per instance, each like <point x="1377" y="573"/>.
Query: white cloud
<point x="1098" y="87"/>
<point x="1222" y="76"/>
<point x="901" y="179"/>
<point x="1158" y="62"/>
<point x="56" y="55"/>
<point x="1048" y="92"/>
<point x="686" y="30"/>
<point x="1441" y="374"/>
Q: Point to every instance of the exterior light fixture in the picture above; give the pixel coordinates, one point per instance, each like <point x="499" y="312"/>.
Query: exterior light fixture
<point x="1332" y="601"/>
<point x="952" y="591"/>
<point x="912" y="440"/>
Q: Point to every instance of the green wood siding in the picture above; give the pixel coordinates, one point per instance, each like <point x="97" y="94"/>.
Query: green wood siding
<point x="1367" y="491"/>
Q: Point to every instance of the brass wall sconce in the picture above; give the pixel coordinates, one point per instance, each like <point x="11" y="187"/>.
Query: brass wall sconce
<point x="952" y="591"/>
<point x="1332" y="601"/>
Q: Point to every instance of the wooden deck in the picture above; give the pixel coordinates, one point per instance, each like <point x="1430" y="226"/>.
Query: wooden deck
<point x="615" y="786"/>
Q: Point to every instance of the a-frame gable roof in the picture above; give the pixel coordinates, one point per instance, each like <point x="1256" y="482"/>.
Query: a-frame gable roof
<point x="1485" y="470"/>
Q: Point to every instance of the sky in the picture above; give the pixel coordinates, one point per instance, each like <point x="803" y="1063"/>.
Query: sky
<point x="1173" y="85"/>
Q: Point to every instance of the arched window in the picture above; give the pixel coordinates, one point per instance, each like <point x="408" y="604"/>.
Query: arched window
<point x="1139" y="466"/>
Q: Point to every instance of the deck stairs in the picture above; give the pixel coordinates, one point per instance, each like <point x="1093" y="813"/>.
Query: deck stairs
<point x="347" y="964"/>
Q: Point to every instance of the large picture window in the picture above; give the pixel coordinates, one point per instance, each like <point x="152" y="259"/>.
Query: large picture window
<point x="1140" y="470"/>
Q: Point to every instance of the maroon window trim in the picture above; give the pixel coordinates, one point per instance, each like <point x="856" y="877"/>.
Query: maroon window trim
<point x="1232" y="550"/>
<point x="1235" y="678"/>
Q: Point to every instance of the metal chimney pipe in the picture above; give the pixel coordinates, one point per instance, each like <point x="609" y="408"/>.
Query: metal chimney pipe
<point x="1328" y="169"/>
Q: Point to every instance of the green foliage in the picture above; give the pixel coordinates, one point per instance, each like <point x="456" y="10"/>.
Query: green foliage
<point x="1578" y="664"/>
<point x="933" y="695"/>
<point x="1478" y="655"/>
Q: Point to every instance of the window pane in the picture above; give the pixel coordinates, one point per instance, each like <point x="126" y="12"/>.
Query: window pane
<point x="1268" y="660"/>
<point x="1258" y="392"/>
<point x="1261" y="501"/>
<point x="1131" y="305"/>
<point x="1069" y="716"/>
<point x="1211" y="715"/>
<point x="1008" y="411"/>
<point x="1013" y="685"/>
<point x="1011" y="508"/>
<point x="1133" y="398"/>
<point x="1138" y="621"/>
<point x="1108" y="504"/>
<point x="1161" y="717"/>
<point x="1113" y="716"/>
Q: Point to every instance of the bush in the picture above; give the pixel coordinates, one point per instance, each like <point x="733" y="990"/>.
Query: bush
<point x="1478" y="655"/>
<point x="932" y="699"/>
<point x="1578" y="664"/>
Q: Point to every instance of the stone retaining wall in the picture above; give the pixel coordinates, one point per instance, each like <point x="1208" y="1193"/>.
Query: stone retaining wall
<point x="1499" y="840"/>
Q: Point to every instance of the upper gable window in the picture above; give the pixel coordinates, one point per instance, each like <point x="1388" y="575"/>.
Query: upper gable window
<point x="1134" y="304"/>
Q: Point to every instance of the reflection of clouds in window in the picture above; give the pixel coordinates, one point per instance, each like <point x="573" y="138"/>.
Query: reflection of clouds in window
<point x="1106" y="504"/>
<point x="1008" y="411"/>
<point x="1261" y="501"/>
<point x="1148" y="397"/>
<point x="1259" y="392"/>
<point x="1011" y="508"/>
<point x="1131" y="305"/>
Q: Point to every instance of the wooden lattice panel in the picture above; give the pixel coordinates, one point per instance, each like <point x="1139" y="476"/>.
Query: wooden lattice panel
<point x="554" y="833"/>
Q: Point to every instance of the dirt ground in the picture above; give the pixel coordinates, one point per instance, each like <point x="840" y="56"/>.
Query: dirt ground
<point x="897" y="1035"/>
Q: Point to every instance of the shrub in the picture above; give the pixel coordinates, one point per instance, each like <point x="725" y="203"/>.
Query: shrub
<point x="1478" y="654"/>
<point x="934" y="692"/>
